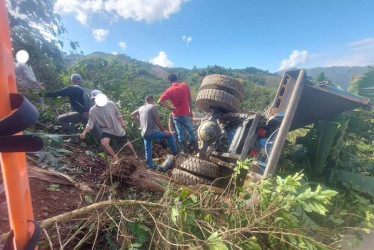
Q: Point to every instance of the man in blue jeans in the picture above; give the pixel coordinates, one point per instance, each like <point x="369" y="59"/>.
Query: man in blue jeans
<point x="180" y="96"/>
<point x="147" y="117"/>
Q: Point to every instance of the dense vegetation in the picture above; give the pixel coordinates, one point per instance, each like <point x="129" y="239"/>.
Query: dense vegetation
<point x="283" y="212"/>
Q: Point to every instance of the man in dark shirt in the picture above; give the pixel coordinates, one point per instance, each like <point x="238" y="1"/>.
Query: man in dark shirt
<point x="79" y="112"/>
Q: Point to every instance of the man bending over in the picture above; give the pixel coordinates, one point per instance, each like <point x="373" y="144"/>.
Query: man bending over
<point x="147" y="117"/>
<point x="110" y="120"/>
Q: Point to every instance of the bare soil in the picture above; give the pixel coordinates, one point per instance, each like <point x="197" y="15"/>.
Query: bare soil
<point x="50" y="199"/>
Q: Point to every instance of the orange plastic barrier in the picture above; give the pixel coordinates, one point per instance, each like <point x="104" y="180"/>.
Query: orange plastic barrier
<point x="13" y="165"/>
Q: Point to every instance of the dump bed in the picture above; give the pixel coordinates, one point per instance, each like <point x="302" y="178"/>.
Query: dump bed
<point x="318" y="101"/>
<point x="300" y="102"/>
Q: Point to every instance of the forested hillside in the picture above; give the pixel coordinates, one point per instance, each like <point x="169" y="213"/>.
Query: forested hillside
<point x="84" y="199"/>
<point x="339" y="75"/>
<point x="114" y="72"/>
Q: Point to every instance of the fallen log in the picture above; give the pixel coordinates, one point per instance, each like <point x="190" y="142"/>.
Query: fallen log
<point x="131" y="171"/>
<point x="153" y="181"/>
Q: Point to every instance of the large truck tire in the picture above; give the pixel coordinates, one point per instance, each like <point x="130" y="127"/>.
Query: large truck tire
<point x="189" y="179"/>
<point x="225" y="83"/>
<point x="215" y="99"/>
<point x="198" y="166"/>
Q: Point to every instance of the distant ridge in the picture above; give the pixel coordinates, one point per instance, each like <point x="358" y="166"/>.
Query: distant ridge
<point x="340" y="75"/>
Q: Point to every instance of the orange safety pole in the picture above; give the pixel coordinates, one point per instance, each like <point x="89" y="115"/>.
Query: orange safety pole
<point x="13" y="165"/>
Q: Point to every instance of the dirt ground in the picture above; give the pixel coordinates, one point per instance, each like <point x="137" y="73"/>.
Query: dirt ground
<point x="50" y="199"/>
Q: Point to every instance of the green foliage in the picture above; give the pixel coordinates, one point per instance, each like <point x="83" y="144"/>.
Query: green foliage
<point x="240" y="166"/>
<point x="364" y="86"/>
<point x="328" y="130"/>
<point x="46" y="58"/>
<point x="277" y="207"/>
<point x="257" y="97"/>
<point x="345" y="143"/>
<point x="340" y="75"/>
<point x="321" y="77"/>
<point x="51" y="156"/>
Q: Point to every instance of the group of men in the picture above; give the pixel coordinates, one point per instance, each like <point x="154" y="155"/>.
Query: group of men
<point x="106" y="122"/>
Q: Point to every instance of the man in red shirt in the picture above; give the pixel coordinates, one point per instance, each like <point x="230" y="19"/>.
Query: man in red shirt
<point x="180" y="96"/>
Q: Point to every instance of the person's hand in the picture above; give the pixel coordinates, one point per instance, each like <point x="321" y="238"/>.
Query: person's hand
<point x="124" y="125"/>
<point x="41" y="87"/>
<point x="173" y="108"/>
<point x="167" y="133"/>
<point x="82" y="136"/>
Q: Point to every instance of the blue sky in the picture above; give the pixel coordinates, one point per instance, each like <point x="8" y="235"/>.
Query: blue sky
<point x="267" y="34"/>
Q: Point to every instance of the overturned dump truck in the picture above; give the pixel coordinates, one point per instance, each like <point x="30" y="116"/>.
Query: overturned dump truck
<point x="226" y="135"/>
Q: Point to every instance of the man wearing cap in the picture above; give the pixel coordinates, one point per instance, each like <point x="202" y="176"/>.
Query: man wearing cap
<point x="147" y="117"/>
<point x="106" y="114"/>
<point x="79" y="114"/>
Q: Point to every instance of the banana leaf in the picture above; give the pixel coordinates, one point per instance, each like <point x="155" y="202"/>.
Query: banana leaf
<point x="325" y="142"/>
<point x="361" y="183"/>
<point x="364" y="86"/>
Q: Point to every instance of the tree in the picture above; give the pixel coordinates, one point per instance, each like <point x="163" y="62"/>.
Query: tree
<point x="36" y="28"/>
<point x="321" y="77"/>
<point x="364" y="86"/>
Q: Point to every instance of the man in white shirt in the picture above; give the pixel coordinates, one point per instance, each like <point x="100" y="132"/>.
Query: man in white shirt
<point x="111" y="124"/>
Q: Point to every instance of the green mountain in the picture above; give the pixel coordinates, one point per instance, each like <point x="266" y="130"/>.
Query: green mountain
<point x="118" y="73"/>
<point x="339" y="75"/>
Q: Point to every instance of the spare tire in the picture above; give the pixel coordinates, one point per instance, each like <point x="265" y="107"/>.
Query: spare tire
<point x="222" y="82"/>
<point x="215" y="99"/>
<point x="189" y="179"/>
<point x="198" y="166"/>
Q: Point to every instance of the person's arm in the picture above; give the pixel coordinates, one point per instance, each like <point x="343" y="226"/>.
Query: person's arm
<point x="190" y="101"/>
<point x="89" y="126"/>
<point x="158" y="122"/>
<point x="123" y="124"/>
<point x="39" y="85"/>
<point x="166" y="105"/>
<point x="30" y="76"/>
<point x="118" y="115"/>
<point x="170" y="123"/>
<point x="62" y="92"/>
<point x="85" y="131"/>
<point x="163" y="101"/>
<point x="135" y="116"/>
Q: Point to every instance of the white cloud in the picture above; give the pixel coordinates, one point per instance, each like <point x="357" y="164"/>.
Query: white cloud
<point x="138" y="10"/>
<point x="359" y="53"/>
<point x="81" y="9"/>
<point x="100" y="34"/>
<point x="295" y="59"/>
<point x="365" y="42"/>
<point x="187" y="39"/>
<point x="123" y="45"/>
<point x="162" y="60"/>
<point x="114" y="53"/>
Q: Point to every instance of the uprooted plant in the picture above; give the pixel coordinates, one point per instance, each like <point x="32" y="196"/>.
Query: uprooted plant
<point x="277" y="213"/>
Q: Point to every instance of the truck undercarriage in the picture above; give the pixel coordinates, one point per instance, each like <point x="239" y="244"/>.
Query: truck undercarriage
<point x="226" y="135"/>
